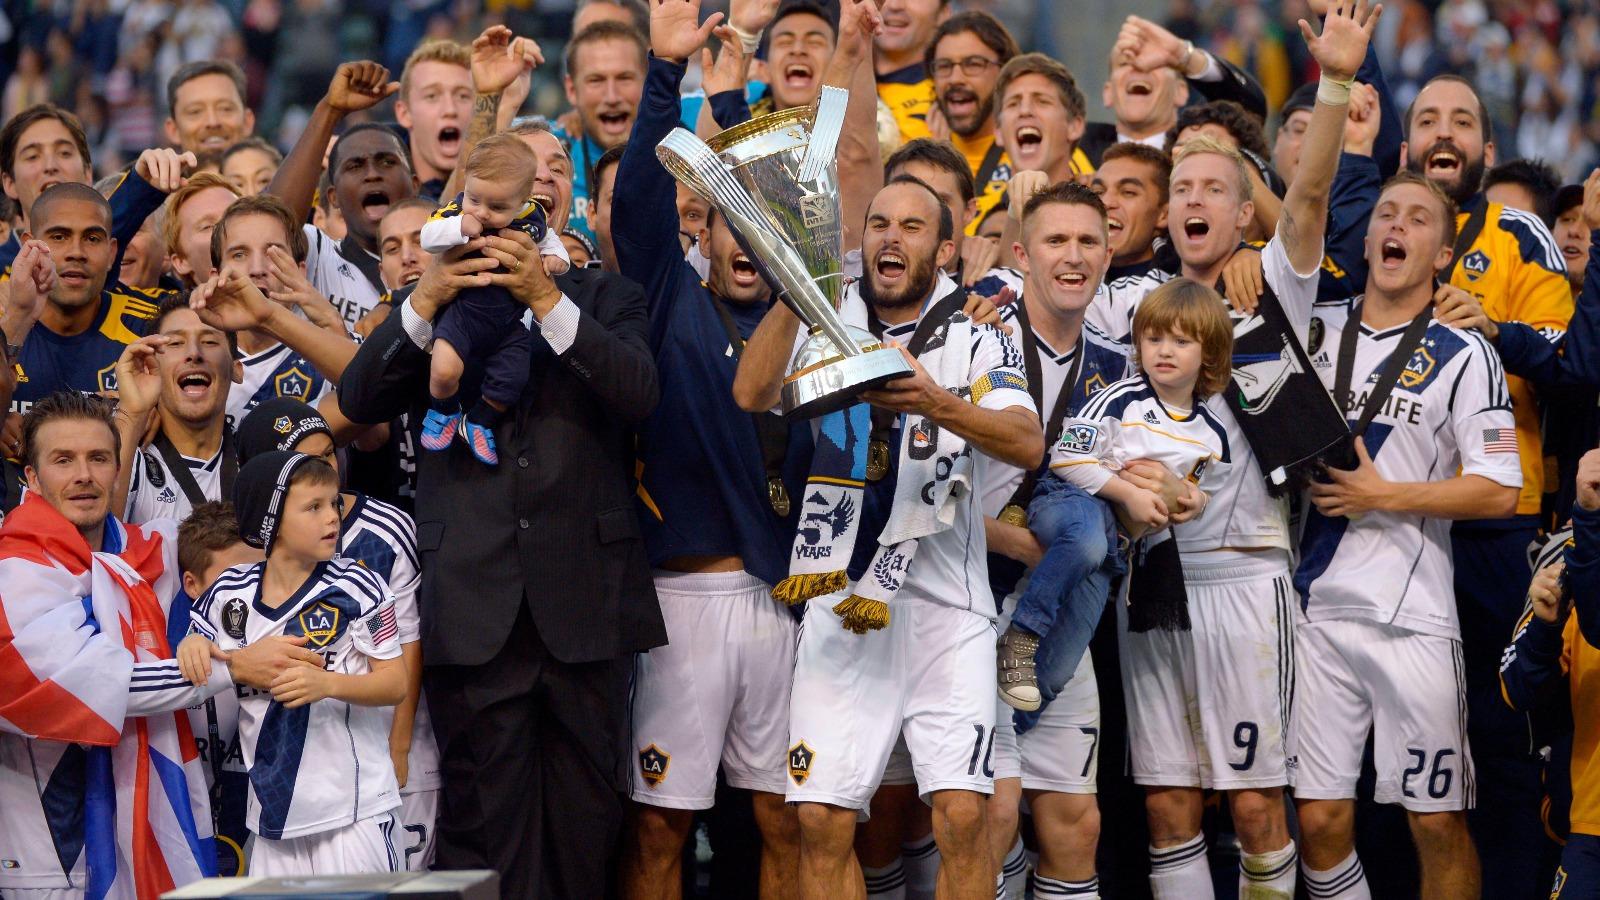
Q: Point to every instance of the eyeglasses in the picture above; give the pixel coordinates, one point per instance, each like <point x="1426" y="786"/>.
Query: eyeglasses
<point x="972" y="66"/>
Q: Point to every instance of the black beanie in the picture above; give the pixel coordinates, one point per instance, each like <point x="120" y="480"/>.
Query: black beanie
<point x="260" y="492"/>
<point x="277" y="424"/>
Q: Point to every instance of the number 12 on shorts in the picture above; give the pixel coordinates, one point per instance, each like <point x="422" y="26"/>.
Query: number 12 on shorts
<point x="1438" y="778"/>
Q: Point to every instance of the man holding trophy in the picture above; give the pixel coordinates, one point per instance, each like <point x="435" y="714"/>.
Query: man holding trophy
<point x="888" y="647"/>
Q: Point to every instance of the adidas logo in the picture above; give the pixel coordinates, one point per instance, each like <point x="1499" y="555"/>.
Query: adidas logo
<point x="167" y="496"/>
<point x="344" y="270"/>
<point x="1151" y="417"/>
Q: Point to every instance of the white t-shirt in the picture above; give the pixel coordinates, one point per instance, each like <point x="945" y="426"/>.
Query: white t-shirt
<point x="383" y="539"/>
<point x="154" y="492"/>
<point x="951" y="568"/>
<point x="1127" y="421"/>
<point x="324" y="765"/>
<point x="340" y="278"/>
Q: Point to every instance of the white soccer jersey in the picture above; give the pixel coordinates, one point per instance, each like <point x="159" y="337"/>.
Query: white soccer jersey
<point x="1450" y="412"/>
<point x="1115" y="302"/>
<point x="383" y="539"/>
<point x="1127" y="421"/>
<point x="345" y="274"/>
<point x="154" y="492"/>
<point x="275" y="372"/>
<point x="951" y="567"/>
<point x="1106" y="362"/>
<point x="324" y="765"/>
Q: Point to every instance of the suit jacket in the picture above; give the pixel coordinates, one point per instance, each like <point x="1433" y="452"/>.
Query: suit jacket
<point x="552" y="526"/>
<point x="1236" y="85"/>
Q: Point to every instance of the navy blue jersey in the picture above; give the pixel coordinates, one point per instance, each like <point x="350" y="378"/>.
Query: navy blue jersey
<point x="87" y="361"/>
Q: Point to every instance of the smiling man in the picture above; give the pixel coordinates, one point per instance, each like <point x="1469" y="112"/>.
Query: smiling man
<point x="40" y="146"/>
<point x="605" y="67"/>
<point x="207" y="110"/>
<point x="434" y="104"/>
<point x="965" y="58"/>
<point x="1132" y="183"/>
<point x="401" y="257"/>
<point x="1041" y="117"/>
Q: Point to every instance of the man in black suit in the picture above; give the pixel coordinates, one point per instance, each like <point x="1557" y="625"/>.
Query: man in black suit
<point x="535" y="591"/>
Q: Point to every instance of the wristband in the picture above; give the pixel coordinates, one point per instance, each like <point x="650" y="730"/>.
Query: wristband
<point x="751" y="40"/>
<point x="1334" y="92"/>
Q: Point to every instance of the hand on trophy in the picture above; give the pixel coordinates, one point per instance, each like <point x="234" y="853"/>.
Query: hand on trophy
<point x="915" y="393"/>
<point x="676" y="31"/>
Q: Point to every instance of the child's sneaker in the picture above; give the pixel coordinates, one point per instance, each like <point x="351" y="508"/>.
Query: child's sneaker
<point x="1019" y="685"/>
<point x="481" y="440"/>
<point x="439" y="429"/>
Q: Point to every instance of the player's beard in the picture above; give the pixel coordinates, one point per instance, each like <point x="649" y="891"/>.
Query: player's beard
<point x="984" y="117"/>
<point x="1469" y="179"/>
<point x="918" y="283"/>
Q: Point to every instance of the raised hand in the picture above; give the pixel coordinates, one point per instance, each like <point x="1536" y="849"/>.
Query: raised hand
<point x="138" y="379"/>
<point x="1362" y="119"/>
<point x="859" y="23"/>
<point x="33" y="277"/>
<point x="292" y="288"/>
<point x="751" y="16"/>
<point x="1544" y="593"/>
<point x="676" y="31"/>
<point x="499" y="58"/>
<point x="232" y="302"/>
<point x="359" y="85"/>
<point x="1342" y="46"/>
<point x="1148" y="47"/>
<point x="1023" y="186"/>
<point x="164" y="167"/>
<point x="727" y="71"/>
<point x="1591" y="200"/>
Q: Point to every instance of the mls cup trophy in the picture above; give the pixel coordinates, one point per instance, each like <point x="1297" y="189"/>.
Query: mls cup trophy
<point x="775" y="181"/>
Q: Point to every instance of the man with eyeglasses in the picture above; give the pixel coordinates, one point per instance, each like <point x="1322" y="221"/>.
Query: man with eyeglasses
<point x="964" y="59"/>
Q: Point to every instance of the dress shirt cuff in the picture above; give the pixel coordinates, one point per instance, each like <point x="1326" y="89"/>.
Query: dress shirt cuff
<point x="560" y="327"/>
<point x="1212" y="71"/>
<point x="417" y="328"/>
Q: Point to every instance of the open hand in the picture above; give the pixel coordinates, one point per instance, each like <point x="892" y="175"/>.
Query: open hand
<point x="1342" y="46"/>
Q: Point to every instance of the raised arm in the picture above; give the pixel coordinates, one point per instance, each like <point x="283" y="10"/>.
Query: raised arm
<point x="499" y="58"/>
<point x="1339" y="51"/>
<point x="860" y="165"/>
<point x="355" y="86"/>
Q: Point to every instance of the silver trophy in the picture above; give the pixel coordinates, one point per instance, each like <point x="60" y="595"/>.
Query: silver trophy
<point x="775" y="180"/>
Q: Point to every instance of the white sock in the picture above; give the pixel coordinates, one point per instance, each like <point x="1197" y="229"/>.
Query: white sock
<point x="886" y="883"/>
<point x="1345" y="881"/>
<point x="922" y="868"/>
<point x="1181" y="872"/>
<point x="1014" y="872"/>
<point x="1267" y="876"/>
<point x="1056" y="889"/>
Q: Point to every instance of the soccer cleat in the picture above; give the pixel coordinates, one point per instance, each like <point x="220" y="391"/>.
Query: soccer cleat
<point x="439" y="429"/>
<point x="1019" y="685"/>
<point x="481" y="440"/>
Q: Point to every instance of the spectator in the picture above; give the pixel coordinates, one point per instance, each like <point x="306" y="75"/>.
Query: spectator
<point x="250" y="164"/>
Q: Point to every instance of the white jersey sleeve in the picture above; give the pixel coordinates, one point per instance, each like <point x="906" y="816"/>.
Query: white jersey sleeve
<point x="1485" y="432"/>
<point x="441" y="233"/>
<point x="378" y="635"/>
<point x="1296" y="292"/>
<point x="1086" y="451"/>
<point x="996" y="372"/>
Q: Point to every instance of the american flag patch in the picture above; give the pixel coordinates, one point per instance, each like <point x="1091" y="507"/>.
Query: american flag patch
<point x="1499" y="440"/>
<point x="382" y="624"/>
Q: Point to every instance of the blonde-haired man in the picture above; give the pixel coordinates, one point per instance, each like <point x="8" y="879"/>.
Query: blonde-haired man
<point x="434" y="106"/>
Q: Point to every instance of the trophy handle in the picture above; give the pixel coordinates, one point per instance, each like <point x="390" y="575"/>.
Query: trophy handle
<point x="826" y="127"/>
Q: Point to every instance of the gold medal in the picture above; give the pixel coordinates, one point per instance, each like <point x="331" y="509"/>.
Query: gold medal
<point x="778" y="496"/>
<point x="877" y="460"/>
<point x="1014" y="514"/>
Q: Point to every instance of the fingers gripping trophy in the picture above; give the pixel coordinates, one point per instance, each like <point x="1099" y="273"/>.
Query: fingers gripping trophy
<point x="775" y="180"/>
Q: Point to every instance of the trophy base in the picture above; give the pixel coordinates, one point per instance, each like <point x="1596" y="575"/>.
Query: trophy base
<point x="827" y="380"/>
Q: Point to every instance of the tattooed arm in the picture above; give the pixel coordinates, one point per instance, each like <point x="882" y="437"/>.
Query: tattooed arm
<point x="498" y="59"/>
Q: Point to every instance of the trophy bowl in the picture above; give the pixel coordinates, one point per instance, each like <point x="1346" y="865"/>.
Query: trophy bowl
<point x="822" y="379"/>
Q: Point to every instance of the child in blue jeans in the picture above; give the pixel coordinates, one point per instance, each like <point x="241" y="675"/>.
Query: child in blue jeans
<point x="1183" y="345"/>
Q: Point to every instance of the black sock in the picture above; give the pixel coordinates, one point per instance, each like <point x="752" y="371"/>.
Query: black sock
<point x="483" y="414"/>
<point x="449" y="405"/>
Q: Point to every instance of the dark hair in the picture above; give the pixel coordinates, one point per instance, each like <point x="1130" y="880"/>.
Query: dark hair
<point x="803" y="7"/>
<point x="985" y="27"/>
<point x="211" y="528"/>
<point x="1483" y="112"/>
<point x="66" y="190"/>
<point x="940" y="155"/>
<point x="605" y="30"/>
<point x="324" y="195"/>
<point x="947" y="222"/>
<point x="1148" y="155"/>
<point x="11" y="134"/>
<point x="190" y="71"/>
<point x="252" y="142"/>
<point x="1066" y="193"/>
<point x="1039" y="64"/>
<point x="1241" y="125"/>
<point x="62" y="405"/>
<point x="1539" y="177"/>
<point x="333" y="155"/>
<point x="313" y="471"/>
<point x="170" y="304"/>
<point x="259" y="205"/>
<point x="1406" y="176"/>
<point x="607" y="159"/>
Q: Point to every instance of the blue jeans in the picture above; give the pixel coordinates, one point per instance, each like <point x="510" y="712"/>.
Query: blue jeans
<point x="1062" y="604"/>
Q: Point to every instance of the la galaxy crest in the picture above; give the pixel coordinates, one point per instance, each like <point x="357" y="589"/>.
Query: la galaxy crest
<point x="1475" y="264"/>
<point x="1418" y="368"/>
<point x="801" y="756"/>
<point x="292" y="383"/>
<point x="320" y="623"/>
<point x="653" y="765"/>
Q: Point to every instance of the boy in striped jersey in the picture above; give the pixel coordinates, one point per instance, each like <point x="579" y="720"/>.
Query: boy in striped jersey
<point x="383" y="539"/>
<point x="323" y="795"/>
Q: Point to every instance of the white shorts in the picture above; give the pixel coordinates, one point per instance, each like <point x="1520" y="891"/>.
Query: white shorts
<point x="716" y="694"/>
<point x="928" y="676"/>
<point x="1407" y="689"/>
<point x="418" y="838"/>
<point x="41" y="894"/>
<point x="1209" y="707"/>
<point x="364" y="846"/>
<point x="1060" y="752"/>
